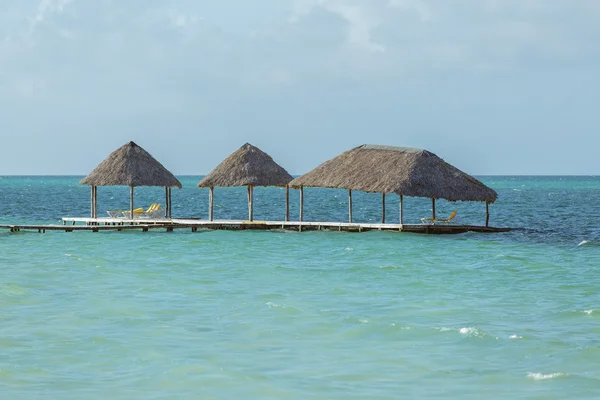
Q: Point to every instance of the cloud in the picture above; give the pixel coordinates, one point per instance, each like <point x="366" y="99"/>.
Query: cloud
<point x="72" y="46"/>
<point x="46" y="8"/>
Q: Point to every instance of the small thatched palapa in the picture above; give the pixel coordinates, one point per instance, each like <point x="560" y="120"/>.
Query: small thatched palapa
<point x="247" y="166"/>
<point x="401" y="170"/>
<point x="130" y="165"/>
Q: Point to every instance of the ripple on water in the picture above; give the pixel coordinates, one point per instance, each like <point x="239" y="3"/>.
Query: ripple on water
<point x="538" y="376"/>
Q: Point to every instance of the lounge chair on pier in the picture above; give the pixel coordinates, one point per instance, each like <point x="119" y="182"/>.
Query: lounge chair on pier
<point x="434" y="221"/>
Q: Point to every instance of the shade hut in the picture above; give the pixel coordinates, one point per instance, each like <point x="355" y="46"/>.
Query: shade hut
<point x="247" y="166"/>
<point x="401" y="170"/>
<point x="131" y="165"/>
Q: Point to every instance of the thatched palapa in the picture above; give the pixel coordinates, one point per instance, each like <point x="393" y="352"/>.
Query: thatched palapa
<point x="401" y="170"/>
<point x="247" y="166"/>
<point x="130" y="165"/>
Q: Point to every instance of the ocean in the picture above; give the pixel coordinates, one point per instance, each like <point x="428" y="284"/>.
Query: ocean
<point x="311" y="315"/>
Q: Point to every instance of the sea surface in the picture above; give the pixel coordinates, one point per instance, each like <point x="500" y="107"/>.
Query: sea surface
<point x="311" y="315"/>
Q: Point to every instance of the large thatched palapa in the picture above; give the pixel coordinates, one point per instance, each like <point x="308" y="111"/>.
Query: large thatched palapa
<point x="130" y="165"/>
<point x="248" y="166"/>
<point x="401" y="170"/>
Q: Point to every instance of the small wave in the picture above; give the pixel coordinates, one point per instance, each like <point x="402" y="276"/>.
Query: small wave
<point x="588" y="312"/>
<point x="537" y="376"/>
<point x="466" y="331"/>
<point x="582" y="243"/>
<point x="349" y="249"/>
<point x="515" y="337"/>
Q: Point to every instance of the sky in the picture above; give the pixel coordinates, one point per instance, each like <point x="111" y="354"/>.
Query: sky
<point x="494" y="87"/>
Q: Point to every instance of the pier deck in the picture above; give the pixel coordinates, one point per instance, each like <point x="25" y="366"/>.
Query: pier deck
<point x="120" y="224"/>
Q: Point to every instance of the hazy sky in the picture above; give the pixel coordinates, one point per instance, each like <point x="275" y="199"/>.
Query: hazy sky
<point x="491" y="86"/>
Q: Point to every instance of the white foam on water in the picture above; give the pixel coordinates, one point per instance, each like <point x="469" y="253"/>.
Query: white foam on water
<point x="515" y="337"/>
<point x="588" y="312"/>
<point x="349" y="249"/>
<point x="582" y="243"/>
<point x="467" y="331"/>
<point x="274" y="305"/>
<point x="538" y="376"/>
<point x="363" y="320"/>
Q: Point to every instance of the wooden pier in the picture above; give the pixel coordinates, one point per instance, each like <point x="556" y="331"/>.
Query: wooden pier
<point x="144" y="225"/>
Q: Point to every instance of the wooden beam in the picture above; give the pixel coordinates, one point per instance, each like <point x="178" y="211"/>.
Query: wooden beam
<point x="211" y="202"/>
<point x="433" y="209"/>
<point x="92" y="202"/>
<point x="401" y="209"/>
<point x="250" y="209"/>
<point x="287" y="203"/>
<point x="350" y="205"/>
<point x="170" y="203"/>
<point x="301" y="203"/>
<point x="487" y="214"/>
<point x="131" y="201"/>
<point x="383" y="208"/>
<point x="166" y="202"/>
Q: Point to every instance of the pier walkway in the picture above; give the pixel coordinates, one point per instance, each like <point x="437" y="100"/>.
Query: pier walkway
<point x="146" y="224"/>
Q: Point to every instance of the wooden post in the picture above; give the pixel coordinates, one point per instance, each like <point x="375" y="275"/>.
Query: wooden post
<point x="383" y="208"/>
<point x="250" y="209"/>
<point x="131" y="201"/>
<point x="287" y="203"/>
<point x="166" y="202"/>
<point x="170" y="204"/>
<point x="401" y="209"/>
<point x="433" y="209"/>
<point x="301" y="203"/>
<point x="92" y="203"/>
<point x="95" y="201"/>
<point x="211" y="201"/>
<point x="350" y="205"/>
<point x="487" y="214"/>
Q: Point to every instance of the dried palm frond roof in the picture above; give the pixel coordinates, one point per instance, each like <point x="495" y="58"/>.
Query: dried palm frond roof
<point x="130" y="165"/>
<point x="247" y="166"/>
<point x="401" y="170"/>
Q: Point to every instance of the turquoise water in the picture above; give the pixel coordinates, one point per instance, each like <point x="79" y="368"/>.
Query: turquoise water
<point x="319" y="315"/>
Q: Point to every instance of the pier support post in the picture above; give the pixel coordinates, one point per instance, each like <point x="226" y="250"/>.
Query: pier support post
<point x="211" y="201"/>
<point x="487" y="214"/>
<point x="433" y="209"/>
<point x="166" y="202"/>
<point x="250" y="205"/>
<point x="131" y="201"/>
<point x="350" y="205"/>
<point x="301" y="203"/>
<point x="170" y="204"/>
<point x="401" y="209"/>
<point x="383" y="208"/>
<point x="93" y="211"/>
<point x="287" y="203"/>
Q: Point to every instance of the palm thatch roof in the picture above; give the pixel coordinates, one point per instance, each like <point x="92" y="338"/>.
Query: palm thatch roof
<point x="401" y="170"/>
<point x="247" y="166"/>
<point x="130" y="165"/>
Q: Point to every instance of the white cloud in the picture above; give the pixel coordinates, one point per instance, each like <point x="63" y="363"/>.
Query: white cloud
<point x="46" y="8"/>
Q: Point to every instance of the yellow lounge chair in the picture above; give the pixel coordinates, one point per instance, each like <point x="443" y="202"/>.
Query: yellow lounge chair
<point x="136" y="212"/>
<point x="148" y="213"/>
<point x="442" y="220"/>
